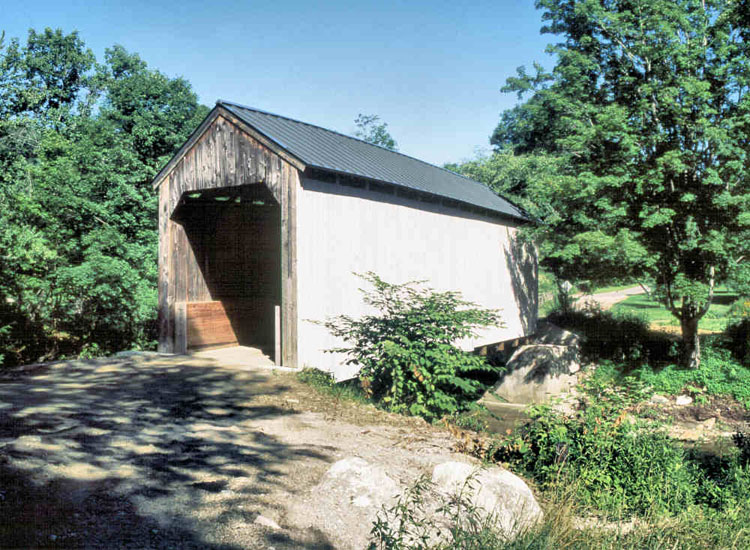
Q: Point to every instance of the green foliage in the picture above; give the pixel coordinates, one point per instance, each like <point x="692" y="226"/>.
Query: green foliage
<point x="547" y="293"/>
<point x="718" y="374"/>
<point x="522" y="179"/>
<point x="371" y="131"/>
<point x="613" y="336"/>
<point x="742" y="441"/>
<point x="722" y="310"/>
<point x="325" y="383"/>
<point x="738" y="334"/>
<point x="694" y="529"/>
<point x="407" y="354"/>
<point x="616" y="466"/>
<point x="647" y="111"/>
<point x="620" y="465"/>
<point x="406" y="524"/>
<point x="456" y="522"/>
<point x="316" y="378"/>
<point x="79" y="145"/>
<point x="46" y="77"/>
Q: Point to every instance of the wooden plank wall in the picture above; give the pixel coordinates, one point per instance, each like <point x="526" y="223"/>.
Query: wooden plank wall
<point x="224" y="156"/>
<point x="238" y="249"/>
<point x="208" y="324"/>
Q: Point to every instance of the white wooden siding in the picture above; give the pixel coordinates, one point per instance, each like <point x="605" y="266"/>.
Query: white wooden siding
<point x="342" y="230"/>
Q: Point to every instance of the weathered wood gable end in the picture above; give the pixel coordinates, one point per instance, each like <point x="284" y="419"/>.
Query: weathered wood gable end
<point x="222" y="154"/>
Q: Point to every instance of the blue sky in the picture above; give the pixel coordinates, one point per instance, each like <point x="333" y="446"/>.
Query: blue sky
<point x="431" y="69"/>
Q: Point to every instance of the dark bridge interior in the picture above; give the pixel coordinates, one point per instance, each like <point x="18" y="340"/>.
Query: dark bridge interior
<point x="235" y="237"/>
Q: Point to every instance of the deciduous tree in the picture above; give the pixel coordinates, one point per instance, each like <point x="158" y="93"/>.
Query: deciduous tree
<point x="79" y="145"/>
<point x="371" y="130"/>
<point x="648" y="106"/>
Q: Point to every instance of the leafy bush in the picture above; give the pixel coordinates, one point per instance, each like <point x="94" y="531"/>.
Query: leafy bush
<point x="718" y="374"/>
<point x="620" y="465"/>
<point x="616" y="466"/>
<point x="616" y="336"/>
<point x="406" y="525"/>
<point x="738" y="335"/>
<point x="316" y="378"/>
<point x="407" y="353"/>
<point x="104" y="305"/>
<point x="325" y="383"/>
<point x="456" y="522"/>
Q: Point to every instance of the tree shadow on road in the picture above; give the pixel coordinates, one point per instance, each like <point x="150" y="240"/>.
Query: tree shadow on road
<point x="143" y="452"/>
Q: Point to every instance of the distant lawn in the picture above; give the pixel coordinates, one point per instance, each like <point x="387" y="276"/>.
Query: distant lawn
<point x="656" y="314"/>
<point x="548" y="291"/>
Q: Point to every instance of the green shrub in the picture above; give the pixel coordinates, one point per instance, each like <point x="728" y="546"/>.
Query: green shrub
<point x="316" y="378"/>
<point x="738" y="336"/>
<point x="725" y="478"/>
<point x="325" y="383"/>
<point x="740" y="308"/>
<point x="623" y="466"/>
<point x="616" y="336"/>
<point x="407" y="354"/>
<point x="616" y="466"/>
<point x="406" y="525"/>
<point x="718" y="374"/>
<point x="455" y="524"/>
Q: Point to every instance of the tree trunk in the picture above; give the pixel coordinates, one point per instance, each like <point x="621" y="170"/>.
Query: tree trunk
<point x="691" y="344"/>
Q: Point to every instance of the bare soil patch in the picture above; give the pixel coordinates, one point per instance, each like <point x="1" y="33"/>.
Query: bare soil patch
<point x="710" y="424"/>
<point x="606" y="300"/>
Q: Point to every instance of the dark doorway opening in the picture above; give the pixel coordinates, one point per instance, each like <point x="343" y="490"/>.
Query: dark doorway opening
<point x="235" y="237"/>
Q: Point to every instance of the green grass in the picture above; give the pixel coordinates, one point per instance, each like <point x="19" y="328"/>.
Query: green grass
<point x="718" y="374"/>
<point x="694" y="529"/>
<point x="548" y="291"/>
<point x="715" y="320"/>
<point x="324" y="383"/>
<point x="462" y="526"/>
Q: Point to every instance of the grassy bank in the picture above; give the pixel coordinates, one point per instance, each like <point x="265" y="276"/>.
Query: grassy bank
<point x="719" y="314"/>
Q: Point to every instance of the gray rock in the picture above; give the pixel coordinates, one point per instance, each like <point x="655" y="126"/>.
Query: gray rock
<point x="657" y="399"/>
<point x="266" y="522"/>
<point x="493" y="490"/>
<point x="683" y="400"/>
<point x="708" y="424"/>
<point x="552" y="335"/>
<point x="538" y="372"/>
<point x="346" y="502"/>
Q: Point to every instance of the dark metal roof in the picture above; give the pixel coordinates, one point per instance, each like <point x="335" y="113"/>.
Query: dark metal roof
<point x="324" y="149"/>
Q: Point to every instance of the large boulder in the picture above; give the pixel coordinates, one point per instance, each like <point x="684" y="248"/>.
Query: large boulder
<point x="493" y="492"/>
<point x="552" y="335"/>
<point x="536" y="373"/>
<point x="344" y="505"/>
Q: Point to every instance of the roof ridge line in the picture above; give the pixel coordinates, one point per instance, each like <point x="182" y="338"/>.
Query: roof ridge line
<point x="241" y="106"/>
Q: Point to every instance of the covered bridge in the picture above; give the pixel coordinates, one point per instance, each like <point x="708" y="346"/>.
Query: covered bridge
<point x="263" y="221"/>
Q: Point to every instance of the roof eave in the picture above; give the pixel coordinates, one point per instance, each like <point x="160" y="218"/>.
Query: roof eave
<point x="521" y="217"/>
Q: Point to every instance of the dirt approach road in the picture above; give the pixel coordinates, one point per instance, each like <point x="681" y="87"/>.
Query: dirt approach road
<point x="608" y="299"/>
<point x="179" y="452"/>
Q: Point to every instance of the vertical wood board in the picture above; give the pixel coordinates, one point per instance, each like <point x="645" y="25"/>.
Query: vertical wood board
<point x="224" y="156"/>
